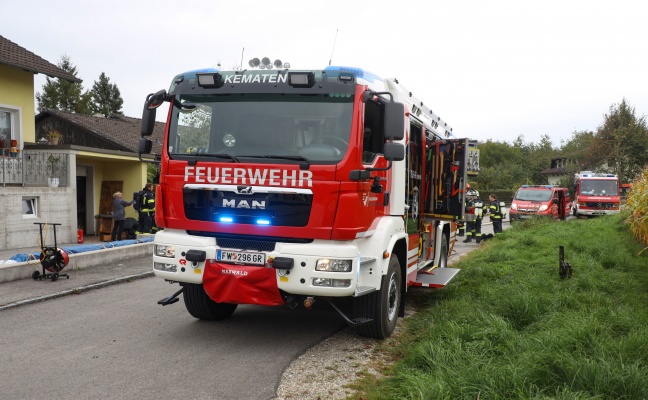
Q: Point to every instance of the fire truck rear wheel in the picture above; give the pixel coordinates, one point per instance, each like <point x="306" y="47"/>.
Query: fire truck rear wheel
<point x="381" y="306"/>
<point x="202" y="307"/>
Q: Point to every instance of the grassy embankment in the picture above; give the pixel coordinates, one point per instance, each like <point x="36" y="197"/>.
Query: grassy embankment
<point x="508" y="327"/>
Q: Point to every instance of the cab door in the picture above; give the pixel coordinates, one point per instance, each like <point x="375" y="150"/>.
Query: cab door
<point x="446" y="178"/>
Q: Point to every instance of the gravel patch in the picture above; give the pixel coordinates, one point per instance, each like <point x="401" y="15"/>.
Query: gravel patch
<point x="326" y="370"/>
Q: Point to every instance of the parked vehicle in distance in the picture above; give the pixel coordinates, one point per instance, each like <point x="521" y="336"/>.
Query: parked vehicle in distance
<point x="624" y="189"/>
<point x="540" y="201"/>
<point x="596" y="194"/>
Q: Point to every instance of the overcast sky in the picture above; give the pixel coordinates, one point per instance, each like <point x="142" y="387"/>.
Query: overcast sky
<point x="492" y="69"/>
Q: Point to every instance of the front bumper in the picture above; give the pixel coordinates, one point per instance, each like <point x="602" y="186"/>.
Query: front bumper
<point x="298" y="280"/>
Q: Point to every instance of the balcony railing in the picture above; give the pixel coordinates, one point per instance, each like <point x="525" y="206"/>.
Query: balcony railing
<point x="33" y="167"/>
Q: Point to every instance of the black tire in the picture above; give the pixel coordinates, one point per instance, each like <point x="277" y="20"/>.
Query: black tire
<point x="54" y="277"/>
<point x="36" y="275"/>
<point x="382" y="306"/>
<point x="201" y="306"/>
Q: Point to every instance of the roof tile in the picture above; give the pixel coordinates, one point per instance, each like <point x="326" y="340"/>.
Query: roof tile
<point x="13" y="55"/>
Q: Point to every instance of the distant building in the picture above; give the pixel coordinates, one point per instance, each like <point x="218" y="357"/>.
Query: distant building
<point x="69" y="180"/>
<point x="561" y="167"/>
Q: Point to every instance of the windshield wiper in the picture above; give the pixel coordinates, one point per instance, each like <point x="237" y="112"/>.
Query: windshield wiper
<point x="195" y="158"/>
<point x="295" y="158"/>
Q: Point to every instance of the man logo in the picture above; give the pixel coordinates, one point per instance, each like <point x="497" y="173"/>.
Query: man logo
<point x="250" y="205"/>
<point x="244" y="189"/>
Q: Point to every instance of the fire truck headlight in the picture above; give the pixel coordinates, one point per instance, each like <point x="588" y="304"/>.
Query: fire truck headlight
<point x="543" y="208"/>
<point x="165" y="267"/>
<point x="331" y="282"/>
<point x="164" y="251"/>
<point x="333" y="265"/>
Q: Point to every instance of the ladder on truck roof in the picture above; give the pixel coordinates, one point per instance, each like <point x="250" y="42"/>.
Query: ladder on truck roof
<point x="419" y="110"/>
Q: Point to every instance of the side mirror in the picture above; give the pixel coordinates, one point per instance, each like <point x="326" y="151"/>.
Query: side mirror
<point x="394" y="121"/>
<point x="153" y="101"/>
<point x="148" y="122"/>
<point x="145" y="146"/>
<point x="394" y="151"/>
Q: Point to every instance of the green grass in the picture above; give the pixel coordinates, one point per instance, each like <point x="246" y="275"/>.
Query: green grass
<point x="508" y="327"/>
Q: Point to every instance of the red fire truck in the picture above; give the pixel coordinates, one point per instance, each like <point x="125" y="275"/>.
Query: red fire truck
<point x="595" y="194"/>
<point x="282" y="187"/>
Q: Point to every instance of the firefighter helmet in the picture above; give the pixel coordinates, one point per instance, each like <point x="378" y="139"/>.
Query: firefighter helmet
<point x="472" y="193"/>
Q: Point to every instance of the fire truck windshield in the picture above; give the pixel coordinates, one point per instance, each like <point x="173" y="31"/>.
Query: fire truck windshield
<point x="314" y="127"/>
<point x="594" y="187"/>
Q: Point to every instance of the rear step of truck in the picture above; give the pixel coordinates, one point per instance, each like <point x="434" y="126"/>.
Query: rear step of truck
<point x="436" y="278"/>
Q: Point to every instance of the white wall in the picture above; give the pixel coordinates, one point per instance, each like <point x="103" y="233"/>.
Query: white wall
<point x="55" y="205"/>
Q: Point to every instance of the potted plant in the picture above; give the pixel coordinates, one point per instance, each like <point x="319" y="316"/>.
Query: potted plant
<point x="53" y="167"/>
<point x="54" y="136"/>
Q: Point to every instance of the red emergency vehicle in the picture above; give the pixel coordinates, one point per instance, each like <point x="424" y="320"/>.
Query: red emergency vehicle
<point x="596" y="194"/>
<point x="540" y="201"/>
<point x="284" y="187"/>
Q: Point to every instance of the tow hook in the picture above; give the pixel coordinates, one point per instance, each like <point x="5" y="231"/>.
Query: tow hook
<point x="308" y="302"/>
<point x="171" y="299"/>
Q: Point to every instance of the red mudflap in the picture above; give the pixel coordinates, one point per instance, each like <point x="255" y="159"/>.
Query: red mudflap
<point x="238" y="284"/>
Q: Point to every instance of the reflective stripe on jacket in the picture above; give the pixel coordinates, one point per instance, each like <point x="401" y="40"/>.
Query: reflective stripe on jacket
<point x="495" y="211"/>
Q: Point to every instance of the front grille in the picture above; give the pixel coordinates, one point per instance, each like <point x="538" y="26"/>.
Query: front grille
<point x="247" y="242"/>
<point x="602" y="206"/>
<point x="229" y="243"/>
<point x="280" y="209"/>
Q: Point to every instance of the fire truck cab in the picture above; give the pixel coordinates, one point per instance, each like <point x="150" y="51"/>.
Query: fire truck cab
<point x="282" y="187"/>
<point x="596" y="194"/>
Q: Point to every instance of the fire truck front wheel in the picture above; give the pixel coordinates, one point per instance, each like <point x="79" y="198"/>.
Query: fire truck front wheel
<point x="381" y="306"/>
<point x="201" y="306"/>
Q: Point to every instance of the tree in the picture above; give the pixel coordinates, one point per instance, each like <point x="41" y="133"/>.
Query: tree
<point x="620" y="145"/>
<point x="105" y="97"/>
<point x="63" y="95"/>
<point x="507" y="166"/>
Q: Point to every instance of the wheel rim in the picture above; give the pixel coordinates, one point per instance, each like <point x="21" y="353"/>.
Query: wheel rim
<point x="392" y="298"/>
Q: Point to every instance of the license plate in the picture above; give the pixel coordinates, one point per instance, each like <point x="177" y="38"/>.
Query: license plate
<point x="242" y="257"/>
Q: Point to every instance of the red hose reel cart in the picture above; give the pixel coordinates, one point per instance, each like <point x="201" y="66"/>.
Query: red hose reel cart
<point x="52" y="259"/>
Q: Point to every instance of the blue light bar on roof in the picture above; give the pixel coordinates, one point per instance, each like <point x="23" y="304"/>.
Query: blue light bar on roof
<point x="357" y="72"/>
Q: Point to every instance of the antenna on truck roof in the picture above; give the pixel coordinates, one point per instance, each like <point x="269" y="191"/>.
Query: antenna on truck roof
<point x="334" y="40"/>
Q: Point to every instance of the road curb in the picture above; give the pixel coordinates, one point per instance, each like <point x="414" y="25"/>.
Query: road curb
<point x="22" y="270"/>
<point x="77" y="290"/>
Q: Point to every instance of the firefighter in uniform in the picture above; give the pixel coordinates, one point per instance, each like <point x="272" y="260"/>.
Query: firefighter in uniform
<point x="474" y="214"/>
<point x="147" y="210"/>
<point x="496" y="214"/>
<point x="461" y="225"/>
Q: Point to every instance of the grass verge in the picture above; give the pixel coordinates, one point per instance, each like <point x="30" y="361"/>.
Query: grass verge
<point x="508" y="327"/>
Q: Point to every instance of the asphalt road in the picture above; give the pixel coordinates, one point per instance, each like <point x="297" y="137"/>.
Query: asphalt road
<point x="118" y="343"/>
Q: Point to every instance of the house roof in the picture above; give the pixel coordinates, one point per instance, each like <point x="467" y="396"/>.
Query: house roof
<point x="13" y="55"/>
<point x="548" y="171"/>
<point x="122" y="132"/>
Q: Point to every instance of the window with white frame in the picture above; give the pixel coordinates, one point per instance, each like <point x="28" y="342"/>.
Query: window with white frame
<point x="9" y="125"/>
<point x="30" y="207"/>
